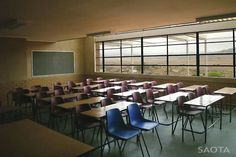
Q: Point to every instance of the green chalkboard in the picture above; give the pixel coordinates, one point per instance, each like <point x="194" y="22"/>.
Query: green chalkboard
<point x="52" y="62"/>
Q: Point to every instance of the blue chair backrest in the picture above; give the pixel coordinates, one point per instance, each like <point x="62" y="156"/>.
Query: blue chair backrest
<point x="134" y="113"/>
<point x="114" y="120"/>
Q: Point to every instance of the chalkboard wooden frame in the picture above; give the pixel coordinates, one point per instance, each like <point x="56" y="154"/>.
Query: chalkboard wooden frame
<point x="53" y="62"/>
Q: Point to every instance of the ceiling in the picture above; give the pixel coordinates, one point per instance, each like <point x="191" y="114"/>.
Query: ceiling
<point x="55" y="20"/>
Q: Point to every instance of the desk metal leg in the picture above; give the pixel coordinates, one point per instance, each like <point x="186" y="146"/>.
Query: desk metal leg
<point x="205" y="128"/>
<point x="172" y="119"/>
<point x="221" y="114"/>
<point x="101" y="138"/>
<point x="230" y="108"/>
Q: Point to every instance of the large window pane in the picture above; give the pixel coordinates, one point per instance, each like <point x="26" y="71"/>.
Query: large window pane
<point x="216" y="60"/>
<point x="131" y="69"/>
<point x="99" y="69"/>
<point x="216" y="36"/>
<point x="112" y="69"/>
<point x="157" y="70"/>
<point x="182" y="60"/>
<point x="131" y="60"/>
<point x="159" y="60"/>
<point x="216" y="71"/>
<point x="182" y="70"/>
<point x="112" y="61"/>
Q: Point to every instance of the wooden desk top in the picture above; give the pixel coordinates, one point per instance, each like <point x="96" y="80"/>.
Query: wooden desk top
<point x="73" y="104"/>
<point x="26" y="138"/>
<point x="94" y="86"/>
<point x="103" y="90"/>
<point x="129" y="93"/>
<point x="163" y="86"/>
<point x="138" y="84"/>
<point x="191" y="88"/>
<point x="172" y="97"/>
<point x="66" y="96"/>
<point x="204" y="100"/>
<point x="101" y="111"/>
<point x="118" y="82"/>
<point x="226" y="91"/>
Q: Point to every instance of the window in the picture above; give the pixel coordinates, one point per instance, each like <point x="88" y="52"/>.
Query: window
<point x="216" y="51"/>
<point x="131" y="56"/>
<point x="99" y="57"/>
<point x="207" y="54"/>
<point x="182" y="55"/>
<point x="154" y="55"/>
<point x="112" y="59"/>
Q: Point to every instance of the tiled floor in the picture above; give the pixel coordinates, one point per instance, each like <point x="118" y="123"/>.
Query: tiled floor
<point x="220" y="143"/>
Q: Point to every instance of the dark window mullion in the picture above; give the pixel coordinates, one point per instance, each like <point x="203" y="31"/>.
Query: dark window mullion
<point x="121" y="62"/>
<point x="142" y="59"/>
<point x="103" y="59"/>
<point x="197" y="54"/>
<point x="167" y="54"/>
<point x="234" y="55"/>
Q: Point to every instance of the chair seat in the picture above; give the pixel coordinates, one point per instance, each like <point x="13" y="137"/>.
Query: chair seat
<point x="191" y="112"/>
<point x="145" y="124"/>
<point x="88" y="124"/>
<point x="125" y="133"/>
<point x="146" y="106"/>
<point x="159" y="102"/>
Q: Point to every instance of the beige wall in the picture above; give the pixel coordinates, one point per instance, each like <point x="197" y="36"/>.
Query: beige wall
<point x="16" y="63"/>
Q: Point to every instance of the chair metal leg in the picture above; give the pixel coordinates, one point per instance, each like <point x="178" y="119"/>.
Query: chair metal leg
<point x="176" y="123"/>
<point x="183" y="129"/>
<point x="139" y="142"/>
<point x="164" y="108"/>
<point x="190" y="123"/>
<point x="158" y="137"/>
<point x="145" y="144"/>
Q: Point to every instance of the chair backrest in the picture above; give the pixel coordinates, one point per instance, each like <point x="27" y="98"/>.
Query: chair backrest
<point x="55" y="101"/>
<point x="146" y="85"/>
<point x="101" y="85"/>
<point x="207" y="89"/>
<point x="179" y="85"/>
<point x="137" y="97"/>
<point x="39" y="95"/>
<point x="191" y="96"/>
<point x="124" y="83"/>
<point x="89" y="81"/>
<point x="133" y="81"/>
<point x="154" y="83"/>
<point x="149" y="94"/>
<point x="170" y="89"/>
<point x="57" y="84"/>
<point x="59" y="91"/>
<point x="134" y="113"/>
<point x="114" y="120"/>
<point x="110" y="92"/>
<point x="44" y="89"/>
<point x="57" y="87"/>
<point x="82" y="96"/>
<point x="99" y="78"/>
<point x="106" y="83"/>
<point x="200" y="91"/>
<point x="124" y="88"/>
<point x="106" y="101"/>
<point x="87" y="90"/>
<point x="181" y="100"/>
<point x="35" y="88"/>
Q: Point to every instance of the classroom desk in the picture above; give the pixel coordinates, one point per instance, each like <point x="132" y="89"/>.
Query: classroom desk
<point x="191" y="88"/>
<point x="79" y="88"/>
<point x="172" y="98"/>
<point x="70" y="106"/>
<point x="125" y="95"/>
<point x="65" y="97"/>
<point x="139" y="84"/>
<point x="227" y="91"/>
<point x="103" y="91"/>
<point x="163" y="86"/>
<point x="206" y="101"/>
<point x="118" y="83"/>
<point x="26" y="138"/>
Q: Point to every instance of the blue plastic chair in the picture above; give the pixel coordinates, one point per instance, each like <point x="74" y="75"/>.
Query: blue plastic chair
<point x="137" y="121"/>
<point x="117" y="129"/>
